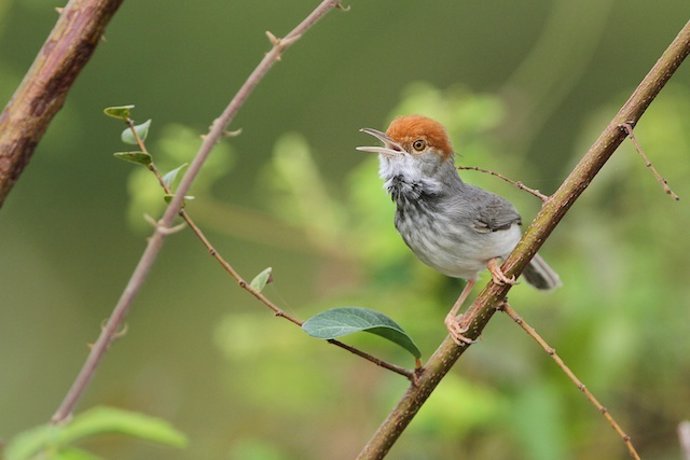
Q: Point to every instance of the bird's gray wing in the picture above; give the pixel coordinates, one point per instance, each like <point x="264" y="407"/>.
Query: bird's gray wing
<point x="491" y="212"/>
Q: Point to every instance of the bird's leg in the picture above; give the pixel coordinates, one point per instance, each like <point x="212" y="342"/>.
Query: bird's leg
<point x="454" y="320"/>
<point x="497" y="274"/>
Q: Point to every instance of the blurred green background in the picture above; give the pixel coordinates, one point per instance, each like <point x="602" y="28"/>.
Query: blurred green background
<point x="524" y="88"/>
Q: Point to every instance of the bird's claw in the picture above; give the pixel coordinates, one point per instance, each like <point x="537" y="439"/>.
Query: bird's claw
<point x="457" y="330"/>
<point x="498" y="276"/>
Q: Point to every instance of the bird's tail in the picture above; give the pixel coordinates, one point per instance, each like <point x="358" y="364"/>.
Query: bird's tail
<point x="540" y="275"/>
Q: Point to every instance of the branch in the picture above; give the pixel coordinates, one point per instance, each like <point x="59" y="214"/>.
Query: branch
<point x="508" y="310"/>
<point x="45" y="85"/>
<point x="647" y="162"/>
<point x="155" y="242"/>
<point x="230" y="270"/>
<point x="543" y="224"/>
<point x="517" y="184"/>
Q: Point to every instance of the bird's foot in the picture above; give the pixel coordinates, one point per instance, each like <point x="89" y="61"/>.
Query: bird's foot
<point x="497" y="274"/>
<point x="457" y="330"/>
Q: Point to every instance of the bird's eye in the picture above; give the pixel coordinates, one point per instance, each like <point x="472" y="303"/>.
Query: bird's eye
<point x="419" y="145"/>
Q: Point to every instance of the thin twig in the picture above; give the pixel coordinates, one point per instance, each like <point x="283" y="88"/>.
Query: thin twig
<point x="517" y="184"/>
<point x="508" y="310"/>
<point x="230" y="270"/>
<point x="548" y="218"/>
<point x="155" y="242"/>
<point x="627" y="127"/>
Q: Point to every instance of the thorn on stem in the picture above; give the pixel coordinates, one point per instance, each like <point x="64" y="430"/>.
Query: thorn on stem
<point x="234" y="133"/>
<point x="275" y="41"/>
<point x="342" y="7"/>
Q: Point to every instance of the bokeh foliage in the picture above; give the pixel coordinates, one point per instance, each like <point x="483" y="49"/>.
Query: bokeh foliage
<point x="520" y="92"/>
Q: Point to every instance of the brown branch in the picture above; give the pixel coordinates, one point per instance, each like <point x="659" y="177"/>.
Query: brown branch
<point x="481" y="311"/>
<point x="44" y="88"/>
<point x="508" y="310"/>
<point x="517" y="184"/>
<point x="647" y="162"/>
<point x="230" y="270"/>
<point x="155" y="242"/>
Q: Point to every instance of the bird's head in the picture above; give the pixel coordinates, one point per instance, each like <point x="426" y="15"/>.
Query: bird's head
<point x="413" y="145"/>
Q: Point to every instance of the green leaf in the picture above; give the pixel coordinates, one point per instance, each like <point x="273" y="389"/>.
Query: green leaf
<point x="140" y="158"/>
<point x="338" y="322"/>
<point x="72" y="453"/>
<point x="121" y="112"/>
<point x="170" y="177"/>
<point x="99" y="420"/>
<point x="142" y="130"/>
<point x="169" y="196"/>
<point x="261" y="280"/>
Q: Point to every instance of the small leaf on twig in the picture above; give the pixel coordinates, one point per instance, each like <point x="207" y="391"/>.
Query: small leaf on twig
<point x="169" y="196"/>
<point x="170" y="176"/>
<point x="140" y="158"/>
<point x="348" y="320"/>
<point x="121" y="112"/>
<point x="142" y="130"/>
<point x="261" y="280"/>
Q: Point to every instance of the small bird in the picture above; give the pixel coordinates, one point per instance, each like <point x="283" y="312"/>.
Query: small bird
<point x="454" y="227"/>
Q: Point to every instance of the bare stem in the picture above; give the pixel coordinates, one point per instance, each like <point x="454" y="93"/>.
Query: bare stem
<point x="508" y="310"/>
<point x="155" y="242"/>
<point x="627" y="127"/>
<point x="551" y="213"/>
<point x="517" y="184"/>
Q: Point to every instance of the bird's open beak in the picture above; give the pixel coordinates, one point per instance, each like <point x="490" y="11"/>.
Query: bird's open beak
<point x="390" y="147"/>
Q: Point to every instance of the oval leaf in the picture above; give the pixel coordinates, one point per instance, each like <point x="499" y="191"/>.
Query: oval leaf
<point x="140" y="158"/>
<point x="142" y="130"/>
<point x="121" y="112"/>
<point x="338" y="322"/>
<point x="261" y="280"/>
<point x="170" y="177"/>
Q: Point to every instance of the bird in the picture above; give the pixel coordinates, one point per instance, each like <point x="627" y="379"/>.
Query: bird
<point x="452" y="226"/>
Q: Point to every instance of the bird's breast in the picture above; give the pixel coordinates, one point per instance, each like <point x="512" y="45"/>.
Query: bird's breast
<point x="443" y="240"/>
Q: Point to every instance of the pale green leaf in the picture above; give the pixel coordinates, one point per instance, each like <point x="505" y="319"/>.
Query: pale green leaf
<point x="142" y="131"/>
<point x="99" y="420"/>
<point x="261" y="280"/>
<point x="121" y="112"/>
<point x="170" y="177"/>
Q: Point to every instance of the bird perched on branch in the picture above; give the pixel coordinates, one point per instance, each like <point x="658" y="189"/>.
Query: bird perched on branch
<point x="454" y="227"/>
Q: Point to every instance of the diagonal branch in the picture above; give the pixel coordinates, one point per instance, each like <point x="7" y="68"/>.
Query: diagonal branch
<point x="543" y="224"/>
<point x="155" y="242"/>
<point x="44" y="88"/>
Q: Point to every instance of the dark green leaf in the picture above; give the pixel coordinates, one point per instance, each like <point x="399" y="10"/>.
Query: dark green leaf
<point x="140" y="158"/>
<point x="121" y="112"/>
<point x="169" y="177"/>
<point x="142" y="130"/>
<point x="261" y="280"/>
<point x="95" y="421"/>
<point x="342" y="321"/>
